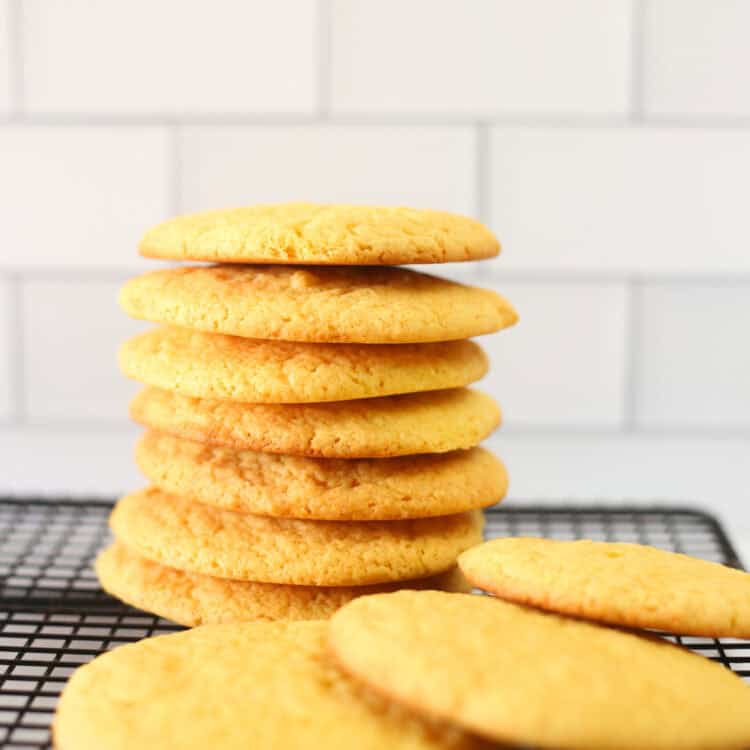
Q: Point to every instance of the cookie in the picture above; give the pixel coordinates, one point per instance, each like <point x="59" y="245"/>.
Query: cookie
<point x="318" y="234"/>
<point x="631" y="585"/>
<point x="269" y="484"/>
<point x="194" y="599"/>
<point x="211" y="365"/>
<point x="432" y="422"/>
<point x="233" y="687"/>
<point x="198" y="538"/>
<point x="333" y="305"/>
<point x="532" y="679"/>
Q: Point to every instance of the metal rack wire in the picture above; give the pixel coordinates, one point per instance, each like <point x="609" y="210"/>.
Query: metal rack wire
<point x="53" y="616"/>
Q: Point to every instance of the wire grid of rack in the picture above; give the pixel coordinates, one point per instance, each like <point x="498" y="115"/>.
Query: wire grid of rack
<point x="54" y="616"/>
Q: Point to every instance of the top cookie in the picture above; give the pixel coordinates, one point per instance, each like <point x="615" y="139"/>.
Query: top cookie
<point x="317" y="234"/>
<point x="329" y="305"/>
<point x="631" y="585"/>
<point x="533" y="679"/>
<point x="254" y="685"/>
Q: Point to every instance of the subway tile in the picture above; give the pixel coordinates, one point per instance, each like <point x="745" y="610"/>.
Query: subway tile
<point x="7" y="317"/>
<point x="169" y="57"/>
<point x="621" y="200"/>
<point x="575" y="467"/>
<point x="5" y="63"/>
<point x="80" y="196"/>
<point x="693" y="358"/>
<point x="564" y="362"/>
<point x="483" y="58"/>
<point x="424" y="167"/>
<point x="72" y="331"/>
<point x="696" y="58"/>
<point x="74" y="463"/>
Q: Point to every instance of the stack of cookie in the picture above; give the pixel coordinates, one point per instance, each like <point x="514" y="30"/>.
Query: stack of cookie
<point x="310" y="434"/>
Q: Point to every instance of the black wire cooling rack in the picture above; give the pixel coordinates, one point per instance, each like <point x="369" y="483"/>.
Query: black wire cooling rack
<point x="54" y="617"/>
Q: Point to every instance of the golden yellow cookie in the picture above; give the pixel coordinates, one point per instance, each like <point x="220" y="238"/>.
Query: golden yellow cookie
<point x="529" y="678"/>
<point x="622" y="584"/>
<point x="334" y="305"/>
<point x="202" y="539"/>
<point x="432" y="422"/>
<point x="317" y="234"/>
<point x="211" y="365"/>
<point x="269" y="484"/>
<point x="233" y="687"/>
<point x="195" y="599"/>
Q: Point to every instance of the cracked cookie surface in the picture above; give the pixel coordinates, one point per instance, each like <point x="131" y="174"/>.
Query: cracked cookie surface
<point x="264" y="685"/>
<point x="533" y="679"/>
<point x="320" y="234"/>
<point x="430" y="422"/>
<point x="323" y="488"/>
<point x="630" y="585"/>
<point x="334" y="305"/>
<point x="212" y="365"/>
<point x="199" y="538"/>
<point x="193" y="599"/>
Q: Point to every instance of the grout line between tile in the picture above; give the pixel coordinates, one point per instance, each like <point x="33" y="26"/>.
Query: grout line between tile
<point x="156" y="119"/>
<point x="324" y="58"/>
<point x="70" y="275"/>
<point x="583" y="431"/>
<point x="521" y="121"/>
<point x="698" y="122"/>
<point x="76" y="426"/>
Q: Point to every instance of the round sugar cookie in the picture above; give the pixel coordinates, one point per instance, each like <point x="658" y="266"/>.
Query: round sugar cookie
<point x="212" y="365"/>
<point x="195" y="599"/>
<point x="631" y="585"/>
<point x="199" y="538"/>
<point x="431" y="422"/>
<point x="532" y="679"/>
<point x="319" y="234"/>
<point x="332" y="305"/>
<point x="233" y="687"/>
<point x="269" y="484"/>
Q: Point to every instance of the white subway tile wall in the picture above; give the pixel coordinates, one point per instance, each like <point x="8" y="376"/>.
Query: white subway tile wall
<point x="608" y="144"/>
<point x="691" y="337"/>
<point x="5" y="72"/>
<point x="84" y="462"/>
<point x="482" y="58"/>
<point x="627" y="200"/>
<point x="644" y="468"/>
<point x="564" y="364"/>
<point x="169" y="57"/>
<point x="72" y="330"/>
<point x="428" y="166"/>
<point x="77" y="197"/>
<point x="6" y="340"/>
<point x="696" y="55"/>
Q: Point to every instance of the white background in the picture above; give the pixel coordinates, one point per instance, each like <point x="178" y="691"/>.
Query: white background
<point x="607" y="143"/>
